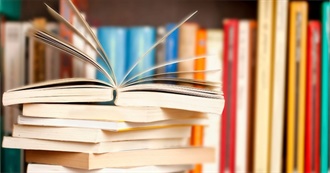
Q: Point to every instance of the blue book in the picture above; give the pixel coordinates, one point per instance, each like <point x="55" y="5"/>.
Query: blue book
<point x="113" y="40"/>
<point x="325" y="87"/>
<point x="140" y="39"/>
<point x="171" y="48"/>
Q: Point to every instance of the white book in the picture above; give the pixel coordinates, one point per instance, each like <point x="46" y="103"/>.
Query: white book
<point x="211" y="137"/>
<point x="52" y="60"/>
<point x="278" y="93"/>
<point x="108" y="125"/>
<point x="160" y="50"/>
<point x="42" y="168"/>
<point x="13" y="61"/>
<point x="91" y="135"/>
<point x="242" y="96"/>
<point x="101" y="147"/>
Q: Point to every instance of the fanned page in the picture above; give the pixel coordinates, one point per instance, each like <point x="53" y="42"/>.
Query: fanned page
<point x="133" y="87"/>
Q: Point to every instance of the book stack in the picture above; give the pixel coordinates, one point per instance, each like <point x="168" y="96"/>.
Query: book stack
<point x="87" y="137"/>
<point x="140" y="124"/>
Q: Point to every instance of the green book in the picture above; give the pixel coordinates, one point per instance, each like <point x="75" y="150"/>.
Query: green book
<point x="10" y="8"/>
<point x="325" y="87"/>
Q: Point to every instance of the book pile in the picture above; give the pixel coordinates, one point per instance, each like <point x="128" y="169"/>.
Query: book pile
<point x="87" y="137"/>
<point x="146" y="128"/>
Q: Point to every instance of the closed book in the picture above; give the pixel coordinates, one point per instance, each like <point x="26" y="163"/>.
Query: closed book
<point x="245" y="91"/>
<point x="113" y="40"/>
<point x="228" y="121"/>
<point x="325" y="87"/>
<point x="101" y="147"/>
<point x="52" y="56"/>
<point x="171" y="48"/>
<point x="278" y="84"/>
<point x="160" y="49"/>
<point x="211" y="136"/>
<point x="140" y="39"/>
<point x="187" y="48"/>
<point x="101" y="112"/>
<point x="90" y="70"/>
<point x="313" y="88"/>
<point x="90" y="135"/>
<point x="263" y="86"/>
<point x="171" y="156"/>
<point x="108" y="125"/>
<point x="39" y="168"/>
<point x="296" y="87"/>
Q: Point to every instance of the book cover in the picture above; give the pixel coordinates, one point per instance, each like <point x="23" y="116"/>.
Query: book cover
<point x="263" y="86"/>
<point x="140" y="39"/>
<point x="278" y="84"/>
<point x="214" y="47"/>
<point x="296" y="87"/>
<point x="245" y="91"/>
<point x="113" y="40"/>
<point x="187" y="48"/>
<point x="228" y="121"/>
<point x="313" y="74"/>
<point x="325" y="87"/>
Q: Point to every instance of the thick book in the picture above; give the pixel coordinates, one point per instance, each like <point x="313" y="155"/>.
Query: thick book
<point x="296" y="97"/>
<point x="173" y="156"/>
<point x="101" y="147"/>
<point x="136" y="89"/>
<point x="245" y="93"/>
<point x="313" y="88"/>
<point x="101" y="112"/>
<point x="228" y="121"/>
<point x="263" y="86"/>
<point x="90" y="135"/>
<point x="108" y="125"/>
<point x="278" y="84"/>
<point x="41" y="168"/>
<point x="325" y="87"/>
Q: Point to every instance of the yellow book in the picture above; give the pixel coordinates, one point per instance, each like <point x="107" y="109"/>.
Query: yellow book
<point x="263" y="84"/>
<point x="296" y="87"/>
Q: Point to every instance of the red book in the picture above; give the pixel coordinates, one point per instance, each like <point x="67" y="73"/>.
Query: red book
<point x="228" y="121"/>
<point x="312" y="138"/>
<point x="66" y="62"/>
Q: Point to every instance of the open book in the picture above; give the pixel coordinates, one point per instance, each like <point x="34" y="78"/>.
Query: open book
<point x="139" y="89"/>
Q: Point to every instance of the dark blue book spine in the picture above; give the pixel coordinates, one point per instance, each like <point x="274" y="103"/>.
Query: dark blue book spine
<point x="171" y="49"/>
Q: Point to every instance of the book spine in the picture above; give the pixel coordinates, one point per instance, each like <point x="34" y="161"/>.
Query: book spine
<point x="296" y="87"/>
<point x="11" y="64"/>
<point x="160" y="49"/>
<point x="214" y="46"/>
<point x="263" y="93"/>
<point x="312" y="97"/>
<point x="113" y="40"/>
<point x="279" y="54"/>
<point x="228" y="122"/>
<point x="66" y="65"/>
<point x="242" y="97"/>
<point x="137" y="36"/>
<point x="187" y="47"/>
<point x="171" y="49"/>
<point x="52" y="56"/>
<point x="78" y="65"/>
<point x="325" y="87"/>
<point x="199" y="64"/>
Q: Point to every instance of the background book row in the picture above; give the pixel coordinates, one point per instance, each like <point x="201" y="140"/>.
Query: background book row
<point x="276" y="90"/>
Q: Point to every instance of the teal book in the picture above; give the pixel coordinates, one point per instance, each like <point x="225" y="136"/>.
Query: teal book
<point x="325" y="87"/>
<point x="113" y="40"/>
<point x="10" y="8"/>
<point x="140" y="39"/>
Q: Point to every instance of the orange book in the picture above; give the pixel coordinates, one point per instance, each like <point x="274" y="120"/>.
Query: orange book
<point x="199" y="64"/>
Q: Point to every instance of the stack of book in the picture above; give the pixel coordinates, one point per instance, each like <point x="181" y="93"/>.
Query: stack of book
<point x="102" y="137"/>
<point x="139" y="124"/>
